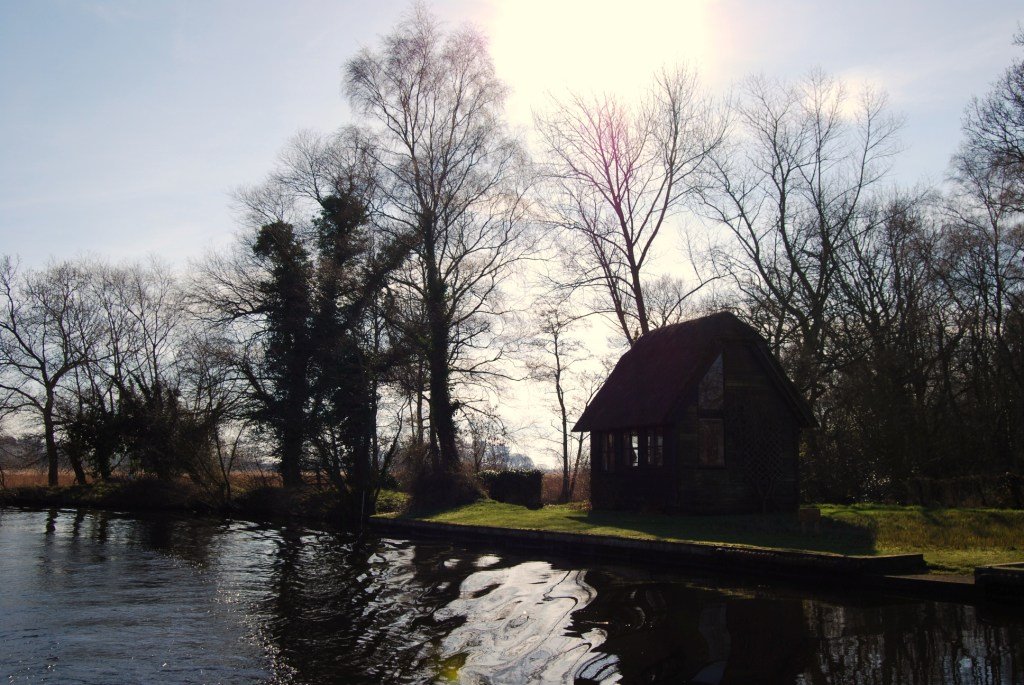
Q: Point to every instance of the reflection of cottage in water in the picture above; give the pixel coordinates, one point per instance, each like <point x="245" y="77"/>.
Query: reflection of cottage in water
<point x="656" y="633"/>
<point x="699" y="417"/>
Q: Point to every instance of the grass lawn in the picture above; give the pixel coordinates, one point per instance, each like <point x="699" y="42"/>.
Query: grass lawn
<point x="952" y="540"/>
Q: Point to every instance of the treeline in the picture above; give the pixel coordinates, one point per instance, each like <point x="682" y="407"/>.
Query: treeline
<point x="897" y="313"/>
<point x="371" y="268"/>
<point x="364" y="316"/>
<point x="900" y="315"/>
<point x="107" y="363"/>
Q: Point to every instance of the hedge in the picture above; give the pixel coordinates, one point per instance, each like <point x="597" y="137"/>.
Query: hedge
<point x="515" y="486"/>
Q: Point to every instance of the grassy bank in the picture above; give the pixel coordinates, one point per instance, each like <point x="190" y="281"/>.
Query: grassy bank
<point x="951" y="540"/>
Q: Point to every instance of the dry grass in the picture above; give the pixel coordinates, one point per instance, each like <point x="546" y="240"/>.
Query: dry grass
<point x="551" y="487"/>
<point x="20" y="478"/>
<point x="240" y="480"/>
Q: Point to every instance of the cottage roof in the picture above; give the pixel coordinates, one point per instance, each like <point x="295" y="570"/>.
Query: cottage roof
<point x="651" y="377"/>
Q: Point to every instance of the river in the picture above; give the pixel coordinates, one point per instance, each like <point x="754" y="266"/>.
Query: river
<point x="98" y="597"/>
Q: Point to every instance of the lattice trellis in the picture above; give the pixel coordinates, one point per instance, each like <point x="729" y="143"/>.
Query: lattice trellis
<point x="758" y="438"/>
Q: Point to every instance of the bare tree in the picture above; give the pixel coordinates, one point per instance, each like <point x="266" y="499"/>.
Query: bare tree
<point x="889" y="330"/>
<point x="982" y="266"/>
<point x="994" y="132"/>
<point x="558" y="356"/>
<point x="451" y="175"/>
<point x="142" y="318"/>
<point x="618" y="173"/>
<point x="48" y="328"/>
<point x="211" y="387"/>
<point x="485" y="432"/>
<point x="669" y="300"/>
<point x="789" y="189"/>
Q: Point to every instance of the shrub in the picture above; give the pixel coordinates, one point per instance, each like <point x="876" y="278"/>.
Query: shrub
<point x="443" y="490"/>
<point x="273" y="502"/>
<point x="515" y="486"/>
<point x="1004" y="491"/>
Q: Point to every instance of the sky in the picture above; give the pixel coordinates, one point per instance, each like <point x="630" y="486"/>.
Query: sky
<point x="125" y="126"/>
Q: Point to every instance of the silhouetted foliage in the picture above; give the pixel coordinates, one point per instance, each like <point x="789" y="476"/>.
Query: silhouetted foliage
<point x="514" y="486"/>
<point x="306" y="304"/>
<point x="450" y="175"/>
<point x="897" y="314"/>
<point x="163" y="437"/>
<point x="373" y="274"/>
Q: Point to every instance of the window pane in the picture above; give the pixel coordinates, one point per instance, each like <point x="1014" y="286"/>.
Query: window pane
<point x="633" y="447"/>
<point x="712" y="443"/>
<point x="608" y="453"/>
<point x="655" y="447"/>
<point x="712" y="386"/>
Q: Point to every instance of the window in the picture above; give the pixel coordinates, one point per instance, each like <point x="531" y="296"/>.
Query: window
<point x="607" y="447"/>
<point x="712" y="442"/>
<point x="712" y="387"/>
<point x="655" y="447"/>
<point x="632" y="440"/>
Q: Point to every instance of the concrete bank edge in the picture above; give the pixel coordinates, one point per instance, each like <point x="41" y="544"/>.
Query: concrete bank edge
<point x="903" y="574"/>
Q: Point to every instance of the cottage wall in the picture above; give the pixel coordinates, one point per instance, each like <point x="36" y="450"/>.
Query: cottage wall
<point x="640" y="487"/>
<point x="757" y="421"/>
<point x="731" y="435"/>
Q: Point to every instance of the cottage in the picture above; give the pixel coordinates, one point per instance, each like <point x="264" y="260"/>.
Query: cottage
<point x="696" y="417"/>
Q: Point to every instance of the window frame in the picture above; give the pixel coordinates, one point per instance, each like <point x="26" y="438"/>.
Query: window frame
<point x="711" y="402"/>
<point x="606" y="441"/>
<point x="712" y="398"/>
<point x="654" y="437"/>
<point x="720" y="424"/>
<point x="631" y="444"/>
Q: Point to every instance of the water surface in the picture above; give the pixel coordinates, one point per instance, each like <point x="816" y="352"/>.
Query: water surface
<point x="95" y="597"/>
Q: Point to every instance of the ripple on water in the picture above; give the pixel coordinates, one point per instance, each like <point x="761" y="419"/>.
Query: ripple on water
<point x="72" y="614"/>
<point x="516" y="621"/>
<point x="102" y="598"/>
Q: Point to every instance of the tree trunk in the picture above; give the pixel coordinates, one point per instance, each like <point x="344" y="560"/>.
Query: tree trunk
<point x="291" y="457"/>
<point x="360" y="490"/>
<point x="419" y="432"/>
<point x="576" y="466"/>
<point x="442" y="414"/>
<point x="442" y="411"/>
<point x="364" y="447"/>
<point x="51" y="443"/>
<point x="76" y="466"/>
<point x="564" y="417"/>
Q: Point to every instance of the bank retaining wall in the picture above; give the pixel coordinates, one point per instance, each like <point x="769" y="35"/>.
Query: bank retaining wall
<point x="754" y="560"/>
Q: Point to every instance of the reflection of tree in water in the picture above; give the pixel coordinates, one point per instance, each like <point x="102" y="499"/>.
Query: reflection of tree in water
<point x="96" y="600"/>
<point x="329" y="609"/>
<point x="191" y="540"/>
<point x="915" y="642"/>
<point x="667" y="631"/>
<point x="185" y="539"/>
<point x="398" y="612"/>
<point x="362" y="612"/>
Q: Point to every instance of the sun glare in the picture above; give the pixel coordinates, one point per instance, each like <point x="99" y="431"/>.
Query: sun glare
<point x="543" y="47"/>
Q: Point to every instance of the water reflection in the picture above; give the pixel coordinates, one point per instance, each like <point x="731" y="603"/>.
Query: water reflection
<point x="660" y="630"/>
<point x="96" y="597"/>
<point x="515" y="627"/>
